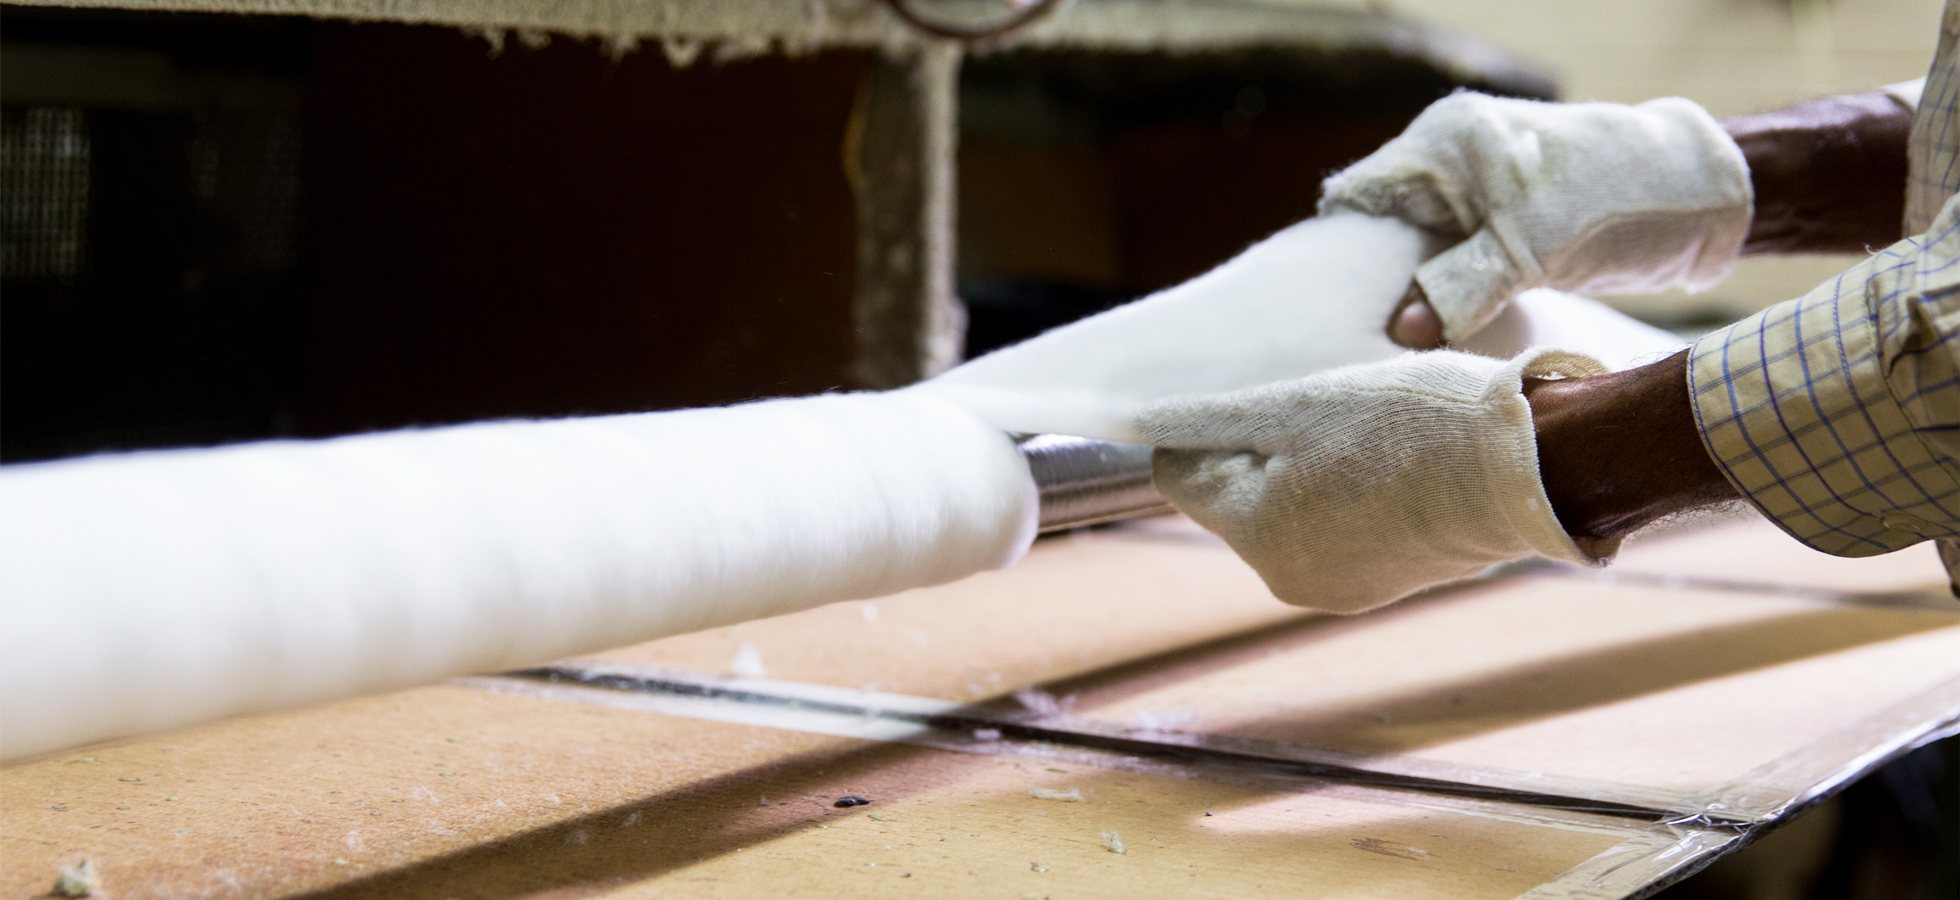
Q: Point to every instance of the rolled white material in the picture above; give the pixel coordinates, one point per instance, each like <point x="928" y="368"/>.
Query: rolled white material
<point x="1314" y="296"/>
<point x="149" y="591"/>
<point x="1548" y="318"/>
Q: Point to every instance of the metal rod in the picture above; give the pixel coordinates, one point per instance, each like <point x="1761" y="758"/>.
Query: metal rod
<point x="1085" y="482"/>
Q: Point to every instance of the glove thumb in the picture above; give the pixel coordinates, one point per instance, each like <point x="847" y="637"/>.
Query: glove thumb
<point x="1220" y="489"/>
<point x="1469" y="283"/>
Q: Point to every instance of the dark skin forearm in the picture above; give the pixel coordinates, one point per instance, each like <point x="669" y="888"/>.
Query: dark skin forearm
<point x="1621" y="450"/>
<point x="1829" y="175"/>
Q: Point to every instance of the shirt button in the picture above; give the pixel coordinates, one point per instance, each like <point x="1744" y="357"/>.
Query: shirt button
<point x="1906" y="522"/>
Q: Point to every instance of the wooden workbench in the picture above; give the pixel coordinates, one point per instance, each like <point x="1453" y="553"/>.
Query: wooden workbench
<point x="1541" y="732"/>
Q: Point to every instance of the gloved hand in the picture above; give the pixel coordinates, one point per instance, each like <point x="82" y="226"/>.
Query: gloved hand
<point x="1585" y="197"/>
<point x="1358" y="486"/>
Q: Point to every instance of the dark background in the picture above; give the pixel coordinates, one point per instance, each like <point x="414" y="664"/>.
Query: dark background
<point x="227" y="228"/>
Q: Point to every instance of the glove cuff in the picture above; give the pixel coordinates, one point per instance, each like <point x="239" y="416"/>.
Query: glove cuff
<point x="1527" y="508"/>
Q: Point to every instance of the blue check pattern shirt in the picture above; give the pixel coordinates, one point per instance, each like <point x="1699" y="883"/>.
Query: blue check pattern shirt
<point x="1837" y="414"/>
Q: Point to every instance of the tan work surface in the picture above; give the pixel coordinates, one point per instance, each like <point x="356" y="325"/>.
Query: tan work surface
<point x="452" y="792"/>
<point x="1720" y="671"/>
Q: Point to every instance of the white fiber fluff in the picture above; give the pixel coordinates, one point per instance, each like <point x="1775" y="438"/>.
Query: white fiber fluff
<point x="1314" y="296"/>
<point x="153" y="590"/>
<point x="1548" y="318"/>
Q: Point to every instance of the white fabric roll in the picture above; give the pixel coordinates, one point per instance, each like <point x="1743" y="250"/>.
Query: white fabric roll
<point x="1315" y="296"/>
<point x="1548" y="318"/>
<point x="1312" y="297"/>
<point x="147" y="591"/>
<point x="153" y="590"/>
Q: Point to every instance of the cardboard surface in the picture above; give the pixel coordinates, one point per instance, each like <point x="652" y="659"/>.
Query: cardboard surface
<point x="1660" y="695"/>
<point x="1594" y="678"/>
<point x="1717" y="699"/>
<point x="1077" y="603"/>
<point x="1749" y="552"/>
<point x="447" y="791"/>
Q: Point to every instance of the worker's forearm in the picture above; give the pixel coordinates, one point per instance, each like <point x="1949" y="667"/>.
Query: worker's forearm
<point x="1621" y="450"/>
<point x="1829" y="175"/>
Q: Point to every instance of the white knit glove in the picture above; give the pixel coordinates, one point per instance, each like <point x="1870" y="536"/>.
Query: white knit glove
<point x="1593" y="198"/>
<point x="1358" y="486"/>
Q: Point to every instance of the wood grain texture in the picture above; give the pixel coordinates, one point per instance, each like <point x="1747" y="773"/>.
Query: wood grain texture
<point x="1078" y="603"/>
<point x="450" y="792"/>
<point x="1625" y="690"/>
<point x="1749" y="552"/>
<point x="1667" y="694"/>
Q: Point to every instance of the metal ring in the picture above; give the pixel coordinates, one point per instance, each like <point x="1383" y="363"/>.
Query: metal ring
<point x="1039" y="10"/>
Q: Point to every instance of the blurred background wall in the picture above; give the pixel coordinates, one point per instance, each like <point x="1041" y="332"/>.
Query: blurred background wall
<point x="224" y="228"/>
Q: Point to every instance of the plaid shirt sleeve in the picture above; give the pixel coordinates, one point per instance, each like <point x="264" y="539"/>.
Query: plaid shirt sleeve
<point x="1837" y="414"/>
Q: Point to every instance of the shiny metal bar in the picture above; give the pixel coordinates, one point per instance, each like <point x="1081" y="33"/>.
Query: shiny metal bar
<point x="1085" y="482"/>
